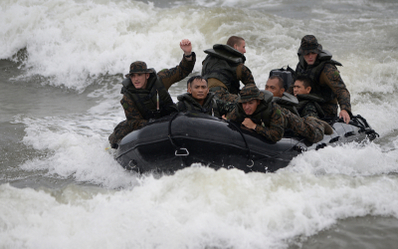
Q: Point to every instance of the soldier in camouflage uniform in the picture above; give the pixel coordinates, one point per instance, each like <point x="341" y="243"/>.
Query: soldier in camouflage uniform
<point x="317" y="64"/>
<point x="255" y="110"/>
<point x="224" y="69"/>
<point x="145" y="93"/>
<point x="308" y="103"/>
<point x="199" y="99"/>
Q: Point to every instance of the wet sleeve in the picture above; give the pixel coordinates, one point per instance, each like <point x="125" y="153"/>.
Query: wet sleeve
<point x="276" y="130"/>
<point x="225" y="107"/>
<point x="175" y="74"/>
<point x="234" y="116"/>
<point x="331" y="76"/>
<point x="133" y="116"/>
<point x="244" y="74"/>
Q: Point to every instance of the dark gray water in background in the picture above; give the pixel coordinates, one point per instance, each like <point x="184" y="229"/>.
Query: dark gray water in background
<point x="61" y="64"/>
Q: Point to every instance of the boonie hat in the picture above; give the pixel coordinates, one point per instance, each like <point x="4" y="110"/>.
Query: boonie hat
<point x="309" y="44"/>
<point x="250" y="92"/>
<point x="139" y="67"/>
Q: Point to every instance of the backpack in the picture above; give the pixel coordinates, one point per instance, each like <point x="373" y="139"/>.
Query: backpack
<point x="288" y="75"/>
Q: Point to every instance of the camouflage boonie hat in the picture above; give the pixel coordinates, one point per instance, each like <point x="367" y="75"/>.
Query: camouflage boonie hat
<point x="309" y="44"/>
<point x="250" y="92"/>
<point x="139" y="67"/>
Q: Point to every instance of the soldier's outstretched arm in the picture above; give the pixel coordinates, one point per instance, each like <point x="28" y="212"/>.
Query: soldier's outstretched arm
<point x="175" y="74"/>
<point x="245" y="75"/>
<point x="333" y="79"/>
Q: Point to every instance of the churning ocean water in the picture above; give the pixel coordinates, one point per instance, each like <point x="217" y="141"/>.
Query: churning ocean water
<point x="61" y="64"/>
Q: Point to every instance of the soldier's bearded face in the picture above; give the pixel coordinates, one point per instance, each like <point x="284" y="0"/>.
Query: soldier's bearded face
<point x="251" y="106"/>
<point x="139" y="80"/>
<point x="310" y="58"/>
<point x="198" y="89"/>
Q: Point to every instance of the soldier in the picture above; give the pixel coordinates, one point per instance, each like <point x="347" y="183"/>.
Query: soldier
<point x="275" y="85"/>
<point x="317" y="64"/>
<point x="255" y="110"/>
<point x="145" y="93"/>
<point x="199" y="99"/>
<point x="224" y="69"/>
<point x="286" y="100"/>
<point x="308" y="103"/>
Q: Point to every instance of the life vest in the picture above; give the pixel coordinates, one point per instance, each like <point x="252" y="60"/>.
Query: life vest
<point x="262" y="115"/>
<point x="221" y="63"/>
<point x="152" y="102"/>
<point x="304" y="99"/>
<point x="314" y="73"/>
<point x="287" y="101"/>
<point x="188" y="103"/>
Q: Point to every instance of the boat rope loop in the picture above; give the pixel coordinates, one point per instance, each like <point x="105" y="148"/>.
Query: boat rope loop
<point x="361" y="122"/>
<point x="249" y="154"/>
<point x="179" y="151"/>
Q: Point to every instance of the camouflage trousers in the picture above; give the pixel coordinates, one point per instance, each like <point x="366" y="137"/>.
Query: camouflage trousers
<point x="120" y="131"/>
<point x="224" y="95"/>
<point x="309" y="127"/>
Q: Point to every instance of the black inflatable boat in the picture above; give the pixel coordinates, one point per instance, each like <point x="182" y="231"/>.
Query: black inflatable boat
<point x="182" y="139"/>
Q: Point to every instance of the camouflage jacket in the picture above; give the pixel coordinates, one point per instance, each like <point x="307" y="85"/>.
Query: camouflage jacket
<point x="168" y="77"/>
<point x="273" y="132"/>
<point x="328" y="84"/>
<point x="307" y="127"/>
<point x="330" y="77"/>
<point x="307" y="108"/>
<point x="309" y="105"/>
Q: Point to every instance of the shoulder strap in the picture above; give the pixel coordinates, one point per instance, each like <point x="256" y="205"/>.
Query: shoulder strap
<point x="266" y="114"/>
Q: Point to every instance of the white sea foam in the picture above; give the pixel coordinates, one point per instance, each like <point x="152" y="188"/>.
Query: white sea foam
<point x="195" y="208"/>
<point x="68" y="41"/>
<point x="351" y="159"/>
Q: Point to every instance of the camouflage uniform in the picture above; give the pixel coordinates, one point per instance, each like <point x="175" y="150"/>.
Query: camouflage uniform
<point x="309" y="105"/>
<point x="225" y="74"/>
<point x="327" y="81"/>
<point x="307" y="109"/>
<point x="134" y="118"/>
<point x="212" y="105"/>
<point x="272" y="120"/>
<point x="331" y="77"/>
<point x="308" y="127"/>
<point x="268" y="116"/>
